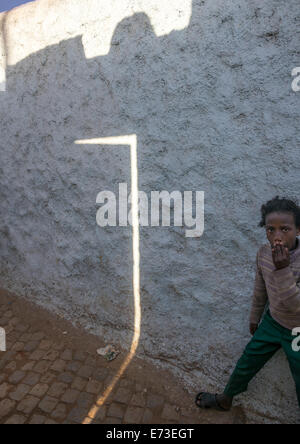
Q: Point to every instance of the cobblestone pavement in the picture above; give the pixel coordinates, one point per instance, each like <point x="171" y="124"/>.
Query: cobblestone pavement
<point x="51" y="374"/>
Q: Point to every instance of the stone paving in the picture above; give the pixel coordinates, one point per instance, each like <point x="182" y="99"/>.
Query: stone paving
<point x="48" y="378"/>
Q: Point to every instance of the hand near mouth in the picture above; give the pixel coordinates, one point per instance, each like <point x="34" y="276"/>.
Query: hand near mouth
<point x="281" y="256"/>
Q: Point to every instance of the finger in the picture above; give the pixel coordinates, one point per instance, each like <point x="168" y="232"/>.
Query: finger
<point x="280" y="252"/>
<point x="280" y="257"/>
<point x="288" y="254"/>
<point x="274" y="255"/>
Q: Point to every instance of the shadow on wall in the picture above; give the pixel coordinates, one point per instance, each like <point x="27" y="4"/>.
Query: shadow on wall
<point x="107" y="96"/>
<point x="139" y="62"/>
<point x="162" y="90"/>
<point x="149" y="86"/>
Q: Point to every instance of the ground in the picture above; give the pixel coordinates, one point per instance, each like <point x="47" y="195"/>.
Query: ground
<point x="51" y="374"/>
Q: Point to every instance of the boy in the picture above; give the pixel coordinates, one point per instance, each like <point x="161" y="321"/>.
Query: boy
<point x="278" y="283"/>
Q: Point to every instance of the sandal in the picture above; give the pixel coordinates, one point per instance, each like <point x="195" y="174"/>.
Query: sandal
<point x="210" y="402"/>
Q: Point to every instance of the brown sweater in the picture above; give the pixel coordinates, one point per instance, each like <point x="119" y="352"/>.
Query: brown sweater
<point x="281" y="288"/>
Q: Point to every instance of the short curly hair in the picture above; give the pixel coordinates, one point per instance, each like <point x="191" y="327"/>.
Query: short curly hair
<point x="282" y="205"/>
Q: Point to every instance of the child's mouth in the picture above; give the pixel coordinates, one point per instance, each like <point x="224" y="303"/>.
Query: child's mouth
<point x="280" y="244"/>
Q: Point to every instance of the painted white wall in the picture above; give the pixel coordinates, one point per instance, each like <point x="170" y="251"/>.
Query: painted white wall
<point x="206" y="87"/>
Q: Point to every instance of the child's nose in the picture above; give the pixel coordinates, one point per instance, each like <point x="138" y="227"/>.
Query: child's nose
<point x="278" y="240"/>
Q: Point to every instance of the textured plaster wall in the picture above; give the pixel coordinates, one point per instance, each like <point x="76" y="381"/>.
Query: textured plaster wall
<point x="206" y="87"/>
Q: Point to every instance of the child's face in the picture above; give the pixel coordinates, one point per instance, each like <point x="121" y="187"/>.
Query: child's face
<point x="281" y="229"/>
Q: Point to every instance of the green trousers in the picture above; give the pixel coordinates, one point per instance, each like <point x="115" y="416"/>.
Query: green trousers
<point x="267" y="340"/>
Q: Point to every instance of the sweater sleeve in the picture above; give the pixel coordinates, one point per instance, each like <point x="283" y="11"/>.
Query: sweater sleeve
<point x="260" y="295"/>
<point x="288" y="289"/>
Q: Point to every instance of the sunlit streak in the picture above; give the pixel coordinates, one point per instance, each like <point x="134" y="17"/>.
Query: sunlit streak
<point x="130" y="140"/>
